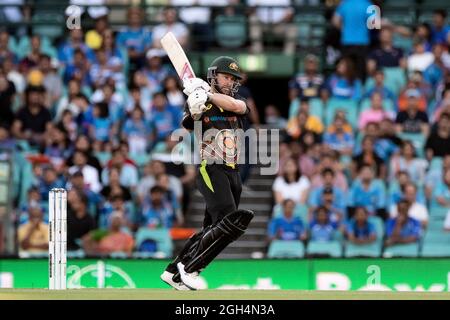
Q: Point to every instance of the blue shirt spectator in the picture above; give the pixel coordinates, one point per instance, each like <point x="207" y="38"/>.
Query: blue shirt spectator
<point x="164" y="118"/>
<point x="158" y="213"/>
<point x="353" y="16"/>
<point x="286" y="226"/>
<point x="402" y="229"/>
<point x="341" y="88"/>
<point x="321" y="228"/>
<point x="367" y="192"/>
<point x="66" y="51"/>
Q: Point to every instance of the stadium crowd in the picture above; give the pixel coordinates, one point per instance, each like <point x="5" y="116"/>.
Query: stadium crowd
<point x="366" y="148"/>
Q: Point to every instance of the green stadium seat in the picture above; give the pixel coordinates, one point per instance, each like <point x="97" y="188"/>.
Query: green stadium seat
<point x="435" y="225"/>
<point x="347" y="105"/>
<point x="48" y="24"/>
<point x="363" y="250"/>
<point x="402" y="250"/>
<point x="160" y="236"/>
<point x="326" y="248"/>
<point x="316" y="108"/>
<point x="286" y="249"/>
<point x="437" y="212"/>
<point x="231" y="31"/>
<point x="395" y="79"/>
<point x="436" y="243"/>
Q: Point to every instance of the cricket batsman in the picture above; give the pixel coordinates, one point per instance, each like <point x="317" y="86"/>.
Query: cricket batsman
<point x="213" y="105"/>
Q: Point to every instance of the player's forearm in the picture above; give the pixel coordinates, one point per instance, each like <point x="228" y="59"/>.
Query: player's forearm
<point x="228" y="103"/>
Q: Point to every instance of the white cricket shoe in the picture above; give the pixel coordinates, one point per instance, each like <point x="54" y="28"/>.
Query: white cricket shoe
<point x="191" y="280"/>
<point x="167" y="276"/>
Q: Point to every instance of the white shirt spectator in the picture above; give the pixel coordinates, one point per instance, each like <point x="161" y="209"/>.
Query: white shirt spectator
<point x="90" y="175"/>
<point x="420" y="61"/>
<point x="271" y="15"/>
<point x="293" y="191"/>
<point x="197" y="14"/>
<point x="178" y="29"/>
<point x="417" y="211"/>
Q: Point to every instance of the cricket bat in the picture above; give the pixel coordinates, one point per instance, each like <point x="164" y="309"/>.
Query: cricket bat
<point x="177" y="56"/>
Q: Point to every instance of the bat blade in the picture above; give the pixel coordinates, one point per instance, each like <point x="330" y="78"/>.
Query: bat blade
<point x="177" y="56"/>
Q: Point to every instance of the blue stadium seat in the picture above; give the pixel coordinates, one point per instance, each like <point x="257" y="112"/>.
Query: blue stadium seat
<point x="328" y="248"/>
<point x="395" y="79"/>
<point x="437" y="212"/>
<point x="402" y="250"/>
<point x="286" y="249"/>
<point x="347" y="105"/>
<point x="436" y="243"/>
<point x="231" y="31"/>
<point x="160" y="236"/>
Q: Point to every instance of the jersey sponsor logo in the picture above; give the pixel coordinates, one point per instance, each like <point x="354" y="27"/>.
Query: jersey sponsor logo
<point x="220" y="118"/>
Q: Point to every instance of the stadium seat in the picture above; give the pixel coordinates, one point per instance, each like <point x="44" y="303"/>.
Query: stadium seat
<point x="48" y="24"/>
<point x="316" y="108"/>
<point x="160" y="236"/>
<point x="403" y="43"/>
<point x="402" y="250"/>
<point x="436" y="242"/>
<point x="395" y="79"/>
<point x="325" y="248"/>
<point x="286" y="249"/>
<point x="300" y="211"/>
<point x="347" y="105"/>
<point x="436" y="163"/>
<point x="231" y="31"/>
<point x="103" y="157"/>
<point x="437" y="212"/>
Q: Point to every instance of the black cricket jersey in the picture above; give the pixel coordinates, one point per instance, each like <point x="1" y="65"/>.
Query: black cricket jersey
<point x="219" y="140"/>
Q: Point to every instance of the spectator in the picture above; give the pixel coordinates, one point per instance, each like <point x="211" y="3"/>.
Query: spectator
<point x="380" y="87"/>
<point x="140" y="92"/>
<point x="438" y="143"/>
<point x="106" y="67"/>
<point x="321" y="228"/>
<point x="57" y="146"/>
<point x="319" y="195"/>
<point x="33" y="201"/>
<point x="307" y="85"/>
<point x="128" y="172"/>
<point x="164" y="118"/>
<point x="368" y="156"/>
<point x="344" y="83"/>
<point x="408" y="161"/>
<point x="156" y="168"/>
<point x="172" y="90"/>
<point x="330" y="160"/>
<point x="109" y="44"/>
<point x="171" y="24"/>
<point x="435" y="175"/>
<point x="416" y="210"/>
<point x="439" y="30"/>
<point x="292" y="184"/>
<point x="359" y="230"/>
<point x="116" y="203"/>
<point x="116" y="105"/>
<point x="33" y="235"/>
<point x="287" y="226"/>
<point x="7" y="94"/>
<point x="66" y="51"/>
<point x="402" y="229"/>
<point x="83" y="144"/>
<point x="135" y="38"/>
<point x="339" y="139"/>
<point x="273" y="117"/>
<point x="155" y="72"/>
<point x="79" y="221"/>
<point x="33" y="119"/>
<point x="441" y="194"/>
<point x="48" y="181"/>
<point x="304" y="122"/>
<point x="158" y="213"/>
<point x="420" y="59"/>
<point x="100" y="130"/>
<point x="78" y="69"/>
<point x="351" y="18"/>
<point x="5" y="53"/>
<point x="403" y="99"/>
<point x="375" y="113"/>
<point x="90" y="174"/>
<point x="94" y="37"/>
<point x="367" y="192"/>
<point x="412" y="120"/>
<point x="94" y="199"/>
<point x="135" y="131"/>
<point x="116" y="240"/>
<point x="386" y="55"/>
<point x="52" y="81"/>
<point x="31" y="60"/>
<point x="434" y="73"/>
<point x="114" y="188"/>
<point x="276" y="20"/>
